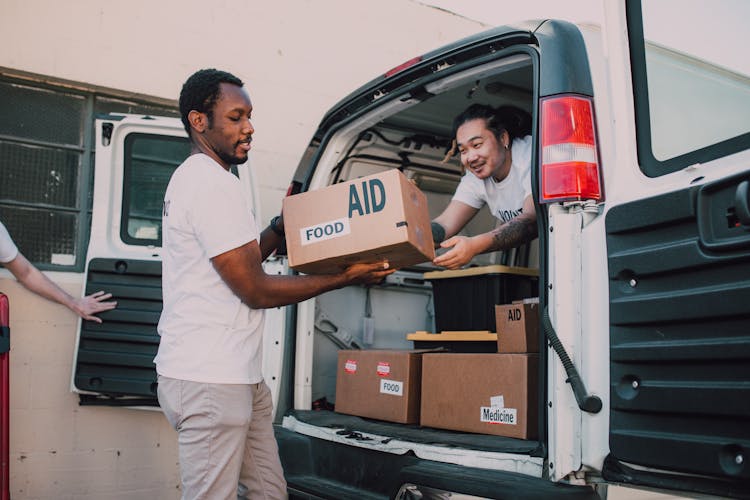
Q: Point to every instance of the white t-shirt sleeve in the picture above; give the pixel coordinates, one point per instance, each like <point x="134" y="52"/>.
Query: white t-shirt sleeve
<point x="522" y="159"/>
<point x="470" y="191"/>
<point x="8" y="249"/>
<point x="222" y="219"/>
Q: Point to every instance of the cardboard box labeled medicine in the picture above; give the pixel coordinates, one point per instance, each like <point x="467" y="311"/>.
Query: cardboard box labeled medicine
<point x="518" y="327"/>
<point x="380" y="384"/>
<point x="481" y="393"/>
<point x="370" y="219"/>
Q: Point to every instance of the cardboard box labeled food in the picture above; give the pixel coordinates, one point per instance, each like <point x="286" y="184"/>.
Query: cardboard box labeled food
<point x="481" y="393"/>
<point x="381" y="384"/>
<point x="518" y="327"/>
<point x="374" y="218"/>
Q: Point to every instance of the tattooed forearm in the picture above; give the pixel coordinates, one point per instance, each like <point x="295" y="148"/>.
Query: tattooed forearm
<point x="513" y="233"/>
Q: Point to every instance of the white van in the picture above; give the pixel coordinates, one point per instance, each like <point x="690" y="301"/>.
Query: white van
<point x="643" y="260"/>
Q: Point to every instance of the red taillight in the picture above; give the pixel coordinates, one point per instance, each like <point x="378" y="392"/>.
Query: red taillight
<point x="570" y="163"/>
<point x="403" y="66"/>
<point x="294" y="188"/>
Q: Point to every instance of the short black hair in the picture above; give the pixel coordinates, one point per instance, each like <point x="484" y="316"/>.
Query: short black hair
<point x="511" y="119"/>
<point x="201" y="91"/>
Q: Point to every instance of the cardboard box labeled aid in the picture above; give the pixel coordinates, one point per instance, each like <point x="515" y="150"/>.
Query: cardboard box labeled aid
<point x="481" y="393"/>
<point x="370" y="219"/>
<point x="518" y="327"/>
<point x="379" y="384"/>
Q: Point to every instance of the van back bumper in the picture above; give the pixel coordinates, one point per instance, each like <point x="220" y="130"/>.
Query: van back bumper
<point x="317" y="468"/>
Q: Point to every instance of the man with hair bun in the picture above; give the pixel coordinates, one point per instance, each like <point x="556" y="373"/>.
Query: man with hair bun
<point x="495" y="152"/>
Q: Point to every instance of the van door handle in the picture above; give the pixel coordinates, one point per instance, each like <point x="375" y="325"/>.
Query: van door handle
<point x="742" y="203"/>
<point x="722" y="211"/>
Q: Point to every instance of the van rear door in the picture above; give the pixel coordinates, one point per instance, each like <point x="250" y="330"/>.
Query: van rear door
<point x="678" y="252"/>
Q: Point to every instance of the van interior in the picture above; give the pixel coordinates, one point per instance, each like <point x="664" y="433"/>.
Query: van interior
<point x="411" y="133"/>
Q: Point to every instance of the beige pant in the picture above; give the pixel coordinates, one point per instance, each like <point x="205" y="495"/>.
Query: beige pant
<point x="225" y="436"/>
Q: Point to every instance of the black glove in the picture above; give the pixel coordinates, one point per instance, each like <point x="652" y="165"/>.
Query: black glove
<point x="438" y="233"/>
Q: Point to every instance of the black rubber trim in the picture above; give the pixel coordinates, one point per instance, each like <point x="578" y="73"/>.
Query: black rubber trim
<point x="115" y="357"/>
<point x="4" y="339"/>
<point x="586" y="401"/>
<point x="617" y="472"/>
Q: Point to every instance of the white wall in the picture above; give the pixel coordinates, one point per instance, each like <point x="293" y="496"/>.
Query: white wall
<point x="58" y="449"/>
<point x="298" y="58"/>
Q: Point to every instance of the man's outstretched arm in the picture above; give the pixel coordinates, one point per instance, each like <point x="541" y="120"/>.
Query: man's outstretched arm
<point x="517" y="231"/>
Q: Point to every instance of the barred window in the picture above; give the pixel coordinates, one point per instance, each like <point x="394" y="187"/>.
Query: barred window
<point x="47" y="166"/>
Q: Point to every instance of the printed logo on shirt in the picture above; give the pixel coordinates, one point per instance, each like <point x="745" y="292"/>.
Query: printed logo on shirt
<point x="350" y="366"/>
<point x="506" y="215"/>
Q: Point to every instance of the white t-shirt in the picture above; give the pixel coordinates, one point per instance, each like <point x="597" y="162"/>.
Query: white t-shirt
<point x="8" y="249"/>
<point x="207" y="333"/>
<point x="504" y="198"/>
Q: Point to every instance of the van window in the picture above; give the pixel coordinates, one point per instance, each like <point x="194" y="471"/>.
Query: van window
<point x="46" y="164"/>
<point x="149" y="163"/>
<point x="691" y="82"/>
<point x="41" y="146"/>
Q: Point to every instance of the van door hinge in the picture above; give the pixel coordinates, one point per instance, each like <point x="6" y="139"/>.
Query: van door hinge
<point x="589" y="208"/>
<point x="107" y="129"/>
<point x="4" y="339"/>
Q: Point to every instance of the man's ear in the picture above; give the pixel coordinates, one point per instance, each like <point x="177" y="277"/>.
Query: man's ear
<point x="198" y="121"/>
<point x="505" y="139"/>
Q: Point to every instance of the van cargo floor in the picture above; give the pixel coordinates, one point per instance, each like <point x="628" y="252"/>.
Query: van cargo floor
<point x="354" y="427"/>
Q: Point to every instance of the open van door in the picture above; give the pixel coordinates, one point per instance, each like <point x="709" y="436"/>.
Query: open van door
<point x="678" y="253"/>
<point x="135" y="158"/>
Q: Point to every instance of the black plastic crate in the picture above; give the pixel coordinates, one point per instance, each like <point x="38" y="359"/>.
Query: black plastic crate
<point x="465" y="299"/>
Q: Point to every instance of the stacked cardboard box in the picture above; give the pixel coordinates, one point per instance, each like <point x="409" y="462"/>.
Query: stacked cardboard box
<point x="381" y="384"/>
<point x="482" y="393"/>
<point x="488" y="393"/>
<point x="518" y="326"/>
